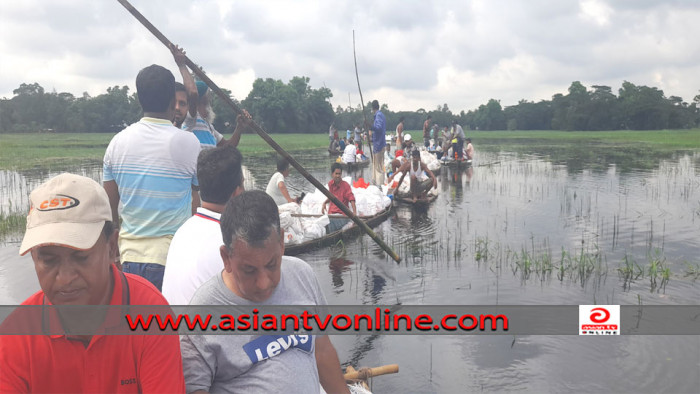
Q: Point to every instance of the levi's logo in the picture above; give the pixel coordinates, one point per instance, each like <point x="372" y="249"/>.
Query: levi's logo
<point x="268" y="346"/>
<point x="61" y="201"/>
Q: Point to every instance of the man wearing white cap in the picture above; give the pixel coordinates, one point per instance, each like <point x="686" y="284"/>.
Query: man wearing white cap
<point x="73" y="245"/>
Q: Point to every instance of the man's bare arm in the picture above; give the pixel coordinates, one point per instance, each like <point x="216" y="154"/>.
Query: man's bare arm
<point x="113" y="194"/>
<point x="329" y="373"/>
<point x="187" y="80"/>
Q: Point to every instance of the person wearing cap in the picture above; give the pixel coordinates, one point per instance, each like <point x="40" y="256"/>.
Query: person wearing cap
<point x="407" y="143"/>
<point x="416" y="170"/>
<point x="256" y="272"/>
<point x="193" y="256"/>
<point x="378" y="132"/>
<point x="200" y="116"/>
<point x="73" y="243"/>
<point x="151" y="168"/>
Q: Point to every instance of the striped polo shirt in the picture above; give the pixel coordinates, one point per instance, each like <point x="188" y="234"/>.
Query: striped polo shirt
<point x="204" y="131"/>
<point x="155" y="166"/>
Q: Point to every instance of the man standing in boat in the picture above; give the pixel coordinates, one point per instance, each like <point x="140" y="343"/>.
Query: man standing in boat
<point x="426" y="131"/>
<point x="151" y="168"/>
<point x="378" y="132"/>
<point x="399" y="133"/>
<point x="416" y="168"/>
<point x="193" y="256"/>
<point x="458" y="133"/>
<point x="256" y="272"/>
<point x="343" y="192"/>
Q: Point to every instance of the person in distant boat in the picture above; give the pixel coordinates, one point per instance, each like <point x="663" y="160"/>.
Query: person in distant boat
<point x="181" y="105"/>
<point x="73" y="242"/>
<point x="342" y="144"/>
<point x="350" y="153"/>
<point x="358" y="136"/>
<point x="398" y="161"/>
<point x="332" y="135"/>
<point x="343" y="192"/>
<point x="408" y="144"/>
<point x="419" y="184"/>
<point x="458" y="133"/>
<point x="256" y="272"/>
<point x="193" y="256"/>
<point x="469" y="150"/>
<point x="378" y="132"/>
<point x="277" y="188"/>
<point x="200" y="118"/>
<point x="150" y="170"/>
<point x="426" y="131"/>
<point x="399" y="133"/>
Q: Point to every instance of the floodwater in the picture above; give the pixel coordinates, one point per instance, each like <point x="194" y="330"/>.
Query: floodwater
<point x="576" y="216"/>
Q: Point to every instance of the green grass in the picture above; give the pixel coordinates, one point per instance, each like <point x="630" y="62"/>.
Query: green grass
<point x="26" y="151"/>
<point x="46" y="150"/>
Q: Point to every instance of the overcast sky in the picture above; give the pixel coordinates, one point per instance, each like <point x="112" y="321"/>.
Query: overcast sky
<point x="410" y="54"/>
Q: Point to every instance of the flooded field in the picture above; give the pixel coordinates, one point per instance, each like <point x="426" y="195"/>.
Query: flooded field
<point x="526" y="225"/>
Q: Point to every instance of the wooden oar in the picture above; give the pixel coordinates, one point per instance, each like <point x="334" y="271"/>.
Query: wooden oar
<point x="365" y="373"/>
<point x="262" y="132"/>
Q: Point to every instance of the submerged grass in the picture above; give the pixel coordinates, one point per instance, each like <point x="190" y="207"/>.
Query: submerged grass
<point x="47" y="150"/>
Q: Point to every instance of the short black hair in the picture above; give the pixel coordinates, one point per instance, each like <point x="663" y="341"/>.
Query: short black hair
<point x="180" y="87"/>
<point x="401" y="119"/>
<point x="219" y="173"/>
<point x="336" y="166"/>
<point x="251" y="217"/>
<point x="155" y="87"/>
<point x="282" y="164"/>
<point x="429" y="117"/>
<point x="375" y="104"/>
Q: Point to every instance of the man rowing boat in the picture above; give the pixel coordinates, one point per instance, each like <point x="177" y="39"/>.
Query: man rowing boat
<point x="343" y="192"/>
<point x="416" y="168"/>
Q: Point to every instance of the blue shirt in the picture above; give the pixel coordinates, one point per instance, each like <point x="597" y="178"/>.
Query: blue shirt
<point x="379" y="132"/>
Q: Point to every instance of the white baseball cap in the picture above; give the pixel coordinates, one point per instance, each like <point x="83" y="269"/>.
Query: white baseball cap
<point x="67" y="210"/>
<point x="407" y="137"/>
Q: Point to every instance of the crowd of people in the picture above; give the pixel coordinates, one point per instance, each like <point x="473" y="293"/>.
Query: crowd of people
<point x="144" y="237"/>
<point x="171" y="224"/>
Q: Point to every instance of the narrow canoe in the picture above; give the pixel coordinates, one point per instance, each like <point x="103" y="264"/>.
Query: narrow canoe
<point x="355" y="165"/>
<point x="407" y="199"/>
<point x="330" y="239"/>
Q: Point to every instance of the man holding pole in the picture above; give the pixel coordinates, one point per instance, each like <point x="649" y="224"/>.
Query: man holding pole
<point x="378" y="132"/>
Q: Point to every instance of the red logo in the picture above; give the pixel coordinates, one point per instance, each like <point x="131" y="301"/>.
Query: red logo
<point x="599" y="315"/>
<point x="60" y="202"/>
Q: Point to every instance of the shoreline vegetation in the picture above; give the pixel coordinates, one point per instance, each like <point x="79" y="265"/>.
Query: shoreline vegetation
<point x="46" y="150"/>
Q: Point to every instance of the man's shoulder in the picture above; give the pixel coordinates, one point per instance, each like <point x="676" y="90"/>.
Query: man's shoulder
<point x="206" y="294"/>
<point x="142" y="292"/>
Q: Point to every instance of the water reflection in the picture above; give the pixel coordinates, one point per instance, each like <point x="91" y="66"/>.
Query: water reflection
<point x="535" y="226"/>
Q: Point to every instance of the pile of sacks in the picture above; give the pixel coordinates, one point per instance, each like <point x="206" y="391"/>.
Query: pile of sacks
<point x="369" y="200"/>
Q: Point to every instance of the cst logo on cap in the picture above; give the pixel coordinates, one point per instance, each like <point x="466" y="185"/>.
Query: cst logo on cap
<point x="61" y="201"/>
<point x="599" y="319"/>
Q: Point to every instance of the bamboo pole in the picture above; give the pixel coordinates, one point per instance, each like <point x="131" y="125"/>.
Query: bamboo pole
<point x="262" y="132"/>
<point x="365" y="373"/>
<point x="362" y="101"/>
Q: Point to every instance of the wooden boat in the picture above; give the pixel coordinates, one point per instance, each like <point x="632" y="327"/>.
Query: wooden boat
<point x="362" y="378"/>
<point x="330" y="239"/>
<point x="456" y="163"/>
<point x="355" y="165"/>
<point x="407" y="199"/>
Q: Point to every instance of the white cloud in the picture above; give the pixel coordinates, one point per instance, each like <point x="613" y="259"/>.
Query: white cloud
<point x="410" y="54"/>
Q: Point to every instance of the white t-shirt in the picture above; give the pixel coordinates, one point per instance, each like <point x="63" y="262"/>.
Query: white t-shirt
<point x="273" y="188"/>
<point x="350" y="154"/>
<point x="193" y="257"/>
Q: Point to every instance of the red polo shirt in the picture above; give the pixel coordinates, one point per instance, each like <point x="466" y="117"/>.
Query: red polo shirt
<point x="108" y="364"/>
<point x="343" y="192"/>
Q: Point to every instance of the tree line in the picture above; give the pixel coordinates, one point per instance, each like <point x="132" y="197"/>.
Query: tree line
<point x="296" y="107"/>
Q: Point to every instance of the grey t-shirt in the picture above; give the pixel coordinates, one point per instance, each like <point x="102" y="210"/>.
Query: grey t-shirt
<point x="245" y="363"/>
